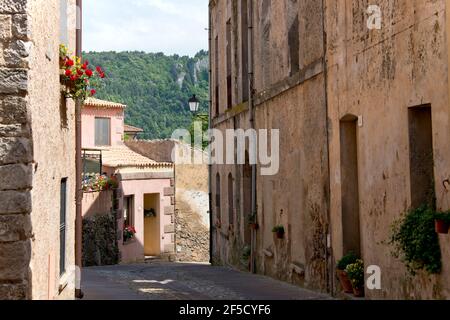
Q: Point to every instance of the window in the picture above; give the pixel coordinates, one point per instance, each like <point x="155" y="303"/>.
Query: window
<point x="244" y="46"/>
<point x="349" y="185"/>
<point x="421" y="156"/>
<point x="230" y="200"/>
<point x="247" y="191"/>
<point x="102" y="131"/>
<point x="128" y="210"/>
<point x="218" y="209"/>
<point x="229" y="75"/>
<point x="216" y="75"/>
<point x="294" y="46"/>
<point x="62" y="226"/>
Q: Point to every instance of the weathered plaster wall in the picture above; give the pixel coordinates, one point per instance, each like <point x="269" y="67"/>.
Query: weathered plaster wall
<point x="378" y="75"/>
<point x="36" y="151"/>
<point x="53" y="134"/>
<point x="290" y="96"/>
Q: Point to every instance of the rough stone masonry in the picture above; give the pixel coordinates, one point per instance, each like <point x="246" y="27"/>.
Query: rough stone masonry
<point x="15" y="151"/>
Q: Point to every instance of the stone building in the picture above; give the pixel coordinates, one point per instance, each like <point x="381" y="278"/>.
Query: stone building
<point x="37" y="152"/>
<point x="346" y="99"/>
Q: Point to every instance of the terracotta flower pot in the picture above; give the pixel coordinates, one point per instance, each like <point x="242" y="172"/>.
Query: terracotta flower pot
<point x="254" y="226"/>
<point x="345" y="281"/>
<point x="441" y="226"/>
<point x="358" y="292"/>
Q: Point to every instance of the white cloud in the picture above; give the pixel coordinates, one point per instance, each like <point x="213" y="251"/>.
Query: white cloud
<point x="169" y="26"/>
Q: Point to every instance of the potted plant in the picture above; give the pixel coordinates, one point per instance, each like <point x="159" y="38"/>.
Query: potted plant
<point x="253" y="223"/>
<point x="355" y="272"/>
<point x="342" y="264"/>
<point x="128" y="233"/>
<point x="279" y="230"/>
<point x="442" y="222"/>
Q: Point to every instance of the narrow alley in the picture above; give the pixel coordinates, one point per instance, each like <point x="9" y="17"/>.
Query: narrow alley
<point x="185" y="281"/>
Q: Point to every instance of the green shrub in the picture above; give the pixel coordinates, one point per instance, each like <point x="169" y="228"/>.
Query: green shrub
<point x="416" y="241"/>
<point x="349" y="258"/>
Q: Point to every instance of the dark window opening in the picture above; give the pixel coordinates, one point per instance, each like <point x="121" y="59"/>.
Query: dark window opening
<point x="63" y="111"/>
<point x="244" y="46"/>
<point x="218" y="206"/>
<point x="349" y="186"/>
<point x="421" y="156"/>
<point x="229" y="75"/>
<point x="247" y="187"/>
<point x="62" y="226"/>
<point x="230" y="200"/>
<point x="216" y="75"/>
<point x="294" y="46"/>
<point x="128" y="210"/>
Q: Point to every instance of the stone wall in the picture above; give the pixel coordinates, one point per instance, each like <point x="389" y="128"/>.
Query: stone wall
<point x="36" y="151"/>
<point x="16" y="154"/>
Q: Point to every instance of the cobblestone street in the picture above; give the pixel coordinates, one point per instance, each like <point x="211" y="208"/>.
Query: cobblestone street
<point x="180" y="281"/>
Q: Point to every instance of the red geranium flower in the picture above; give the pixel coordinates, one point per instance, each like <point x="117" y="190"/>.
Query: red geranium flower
<point x="80" y="72"/>
<point x="99" y="70"/>
<point x="102" y="75"/>
<point x="93" y="92"/>
<point x="89" y="73"/>
<point x="68" y="72"/>
<point x="84" y="66"/>
<point x="69" y="62"/>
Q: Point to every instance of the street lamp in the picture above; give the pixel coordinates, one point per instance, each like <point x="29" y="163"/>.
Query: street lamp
<point x="194" y="104"/>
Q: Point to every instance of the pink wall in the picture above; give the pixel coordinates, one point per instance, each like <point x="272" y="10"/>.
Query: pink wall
<point x="88" y="116"/>
<point x="96" y="203"/>
<point x="135" y="251"/>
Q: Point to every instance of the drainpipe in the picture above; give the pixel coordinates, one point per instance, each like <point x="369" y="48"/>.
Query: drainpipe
<point x="78" y="165"/>
<point x="252" y="126"/>
<point x="210" y="126"/>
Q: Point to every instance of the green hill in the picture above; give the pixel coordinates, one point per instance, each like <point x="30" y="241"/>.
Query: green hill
<point x="155" y="87"/>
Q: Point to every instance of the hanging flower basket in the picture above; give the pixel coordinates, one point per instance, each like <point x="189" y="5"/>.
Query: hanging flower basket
<point x="78" y="80"/>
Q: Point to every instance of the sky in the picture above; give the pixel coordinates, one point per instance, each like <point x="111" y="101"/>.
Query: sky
<point x="168" y="26"/>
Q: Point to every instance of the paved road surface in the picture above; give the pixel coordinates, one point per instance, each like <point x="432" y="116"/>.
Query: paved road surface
<point x="184" y="281"/>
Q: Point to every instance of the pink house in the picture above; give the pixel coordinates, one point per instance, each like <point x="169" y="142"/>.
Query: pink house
<point x="145" y="187"/>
